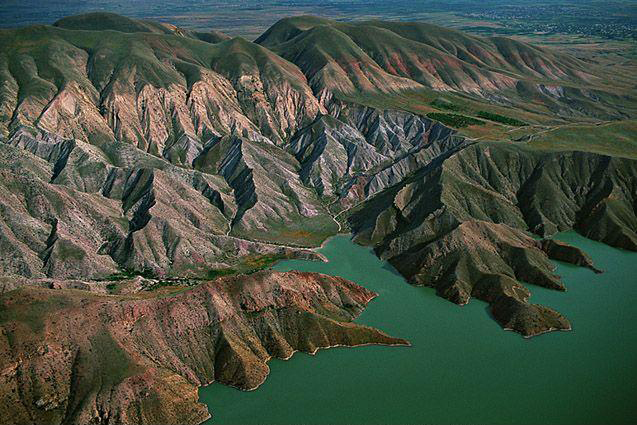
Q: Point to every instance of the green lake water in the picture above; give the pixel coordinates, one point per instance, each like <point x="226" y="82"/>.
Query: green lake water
<point x="462" y="368"/>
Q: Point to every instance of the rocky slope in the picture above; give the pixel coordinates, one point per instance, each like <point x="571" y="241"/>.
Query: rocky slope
<point x="163" y="218"/>
<point x="219" y="107"/>
<point x="179" y="208"/>
<point x="461" y="225"/>
<point x="69" y="356"/>
<point x="356" y="151"/>
<point x="176" y="218"/>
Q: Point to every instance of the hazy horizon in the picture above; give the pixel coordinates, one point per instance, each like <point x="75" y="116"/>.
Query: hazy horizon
<point x="250" y="17"/>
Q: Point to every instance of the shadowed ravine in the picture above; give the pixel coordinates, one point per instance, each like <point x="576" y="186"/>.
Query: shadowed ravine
<point x="461" y="368"/>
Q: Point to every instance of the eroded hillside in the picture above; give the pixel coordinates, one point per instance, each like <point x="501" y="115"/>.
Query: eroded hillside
<point x="147" y="173"/>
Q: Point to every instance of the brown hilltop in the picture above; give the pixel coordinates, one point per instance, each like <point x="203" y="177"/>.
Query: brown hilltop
<point x="69" y="356"/>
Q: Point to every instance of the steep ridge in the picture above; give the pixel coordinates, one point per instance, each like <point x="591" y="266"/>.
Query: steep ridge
<point x="143" y="216"/>
<point x="358" y="143"/>
<point x="92" y="105"/>
<point x="260" y="171"/>
<point x="378" y="57"/>
<point x="435" y="49"/>
<point x="333" y="63"/>
<point x="460" y="225"/>
<point x="492" y="52"/>
<point x="409" y="141"/>
<point x="149" y="89"/>
<point x="70" y="356"/>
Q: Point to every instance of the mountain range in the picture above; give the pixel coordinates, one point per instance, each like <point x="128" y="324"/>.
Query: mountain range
<point x="150" y="172"/>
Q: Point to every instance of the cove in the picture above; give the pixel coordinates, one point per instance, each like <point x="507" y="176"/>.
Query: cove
<point x="462" y="367"/>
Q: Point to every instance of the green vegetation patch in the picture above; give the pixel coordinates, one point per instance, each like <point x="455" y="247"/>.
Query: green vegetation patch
<point x="215" y="273"/>
<point x="260" y="262"/>
<point x="165" y="284"/>
<point x="613" y="138"/>
<point x="302" y="232"/>
<point x="501" y="119"/>
<point x="440" y="103"/>
<point x="146" y="273"/>
<point x="249" y="264"/>
<point x="454" y="120"/>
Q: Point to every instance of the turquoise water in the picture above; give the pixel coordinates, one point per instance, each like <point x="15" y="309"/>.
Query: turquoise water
<point x="462" y="368"/>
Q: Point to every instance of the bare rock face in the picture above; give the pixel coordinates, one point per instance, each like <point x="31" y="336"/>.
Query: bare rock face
<point x="71" y="356"/>
<point x="357" y="151"/>
<point x="268" y="190"/>
<point x="141" y="90"/>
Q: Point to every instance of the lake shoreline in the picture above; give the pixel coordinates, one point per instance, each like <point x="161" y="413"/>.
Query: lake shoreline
<point x="384" y="385"/>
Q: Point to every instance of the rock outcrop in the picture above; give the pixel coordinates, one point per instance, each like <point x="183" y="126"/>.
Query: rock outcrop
<point x="357" y="151"/>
